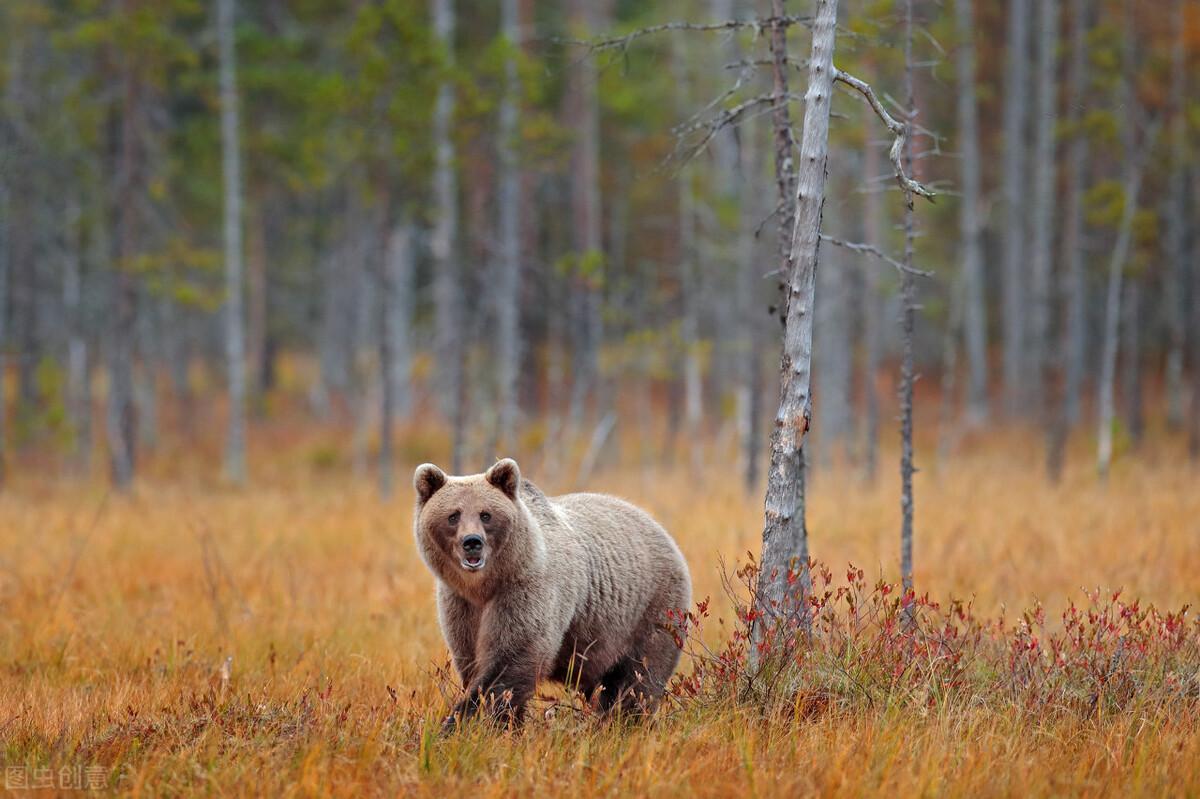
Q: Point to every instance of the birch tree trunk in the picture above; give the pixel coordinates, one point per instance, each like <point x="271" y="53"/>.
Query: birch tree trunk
<point x="395" y="352"/>
<point x="974" y="304"/>
<point x="1174" y="291"/>
<point x="448" y="345"/>
<point x="1135" y="164"/>
<point x="1131" y="309"/>
<point x="908" y="313"/>
<point x="1044" y="199"/>
<point x="231" y="168"/>
<point x="583" y="111"/>
<point x="1112" y="315"/>
<point x="1015" y="104"/>
<point x="4" y="295"/>
<point x="507" y="290"/>
<point x="122" y="420"/>
<point x="78" y="394"/>
<point x="1073" y="332"/>
<point x="785" y="540"/>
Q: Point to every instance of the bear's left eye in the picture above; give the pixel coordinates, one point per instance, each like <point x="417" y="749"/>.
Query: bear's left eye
<point x="485" y="517"/>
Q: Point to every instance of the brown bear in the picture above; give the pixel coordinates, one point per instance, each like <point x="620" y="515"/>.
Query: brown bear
<point x="572" y="589"/>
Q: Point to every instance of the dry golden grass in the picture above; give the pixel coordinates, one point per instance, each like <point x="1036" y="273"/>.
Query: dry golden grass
<point x="117" y="614"/>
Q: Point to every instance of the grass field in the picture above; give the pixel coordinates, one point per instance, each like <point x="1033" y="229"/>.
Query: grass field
<point x="282" y="640"/>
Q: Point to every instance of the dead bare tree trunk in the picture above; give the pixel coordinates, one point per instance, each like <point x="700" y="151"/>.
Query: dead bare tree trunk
<point x="1015" y="105"/>
<point x="1073" y="330"/>
<point x="1112" y="313"/>
<point x="583" y="110"/>
<point x="785" y="539"/>
<point x="908" y="291"/>
<point x="974" y="305"/>
<point x="78" y="402"/>
<point x="4" y="296"/>
<point x="1120" y="253"/>
<point x="507" y="291"/>
<point x="1174" y="291"/>
<point x="122" y="417"/>
<point x="1131" y="309"/>
<point x="1044" y="202"/>
<point x="448" y="344"/>
<point x="231" y="167"/>
<point x="394" y="350"/>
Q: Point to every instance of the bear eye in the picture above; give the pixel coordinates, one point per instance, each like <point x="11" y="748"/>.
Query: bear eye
<point x="454" y="517"/>
<point x="485" y="517"/>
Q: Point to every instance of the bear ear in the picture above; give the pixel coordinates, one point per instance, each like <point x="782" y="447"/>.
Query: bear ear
<point x="427" y="479"/>
<point x="506" y="476"/>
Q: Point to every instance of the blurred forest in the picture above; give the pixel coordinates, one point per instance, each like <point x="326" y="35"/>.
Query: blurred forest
<point x="515" y="227"/>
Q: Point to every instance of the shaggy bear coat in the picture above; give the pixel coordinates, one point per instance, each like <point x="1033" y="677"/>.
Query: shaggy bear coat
<point x="572" y="589"/>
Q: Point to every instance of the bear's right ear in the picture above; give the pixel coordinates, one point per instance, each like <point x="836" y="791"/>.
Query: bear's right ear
<point x="427" y="479"/>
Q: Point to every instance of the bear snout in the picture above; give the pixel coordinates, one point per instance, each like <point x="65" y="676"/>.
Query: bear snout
<point x="472" y="548"/>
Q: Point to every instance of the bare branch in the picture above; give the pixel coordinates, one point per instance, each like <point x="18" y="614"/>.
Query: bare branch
<point x="869" y="249"/>
<point x="622" y="42"/>
<point x="896" y="128"/>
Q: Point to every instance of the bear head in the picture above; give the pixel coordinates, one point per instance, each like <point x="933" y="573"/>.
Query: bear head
<point x="473" y="531"/>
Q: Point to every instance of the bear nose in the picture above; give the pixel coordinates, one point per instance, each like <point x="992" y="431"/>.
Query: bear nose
<point x="472" y="543"/>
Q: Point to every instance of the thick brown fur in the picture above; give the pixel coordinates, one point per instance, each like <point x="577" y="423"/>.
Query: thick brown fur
<point x="574" y="588"/>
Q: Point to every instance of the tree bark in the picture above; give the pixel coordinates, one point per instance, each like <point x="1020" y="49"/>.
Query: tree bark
<point x="974" y="303"/>
<point x="1112" y="315"/>
<point x="395" y="352"/>
<point x="448" y="345"/>
<point x="4" y="299"/>
<point x="1174" y="291"/>
<point x="1045" y="202"/>
<point x="1073" y="331"/>
<point x="785" y="540"/>
<point x="507" y="291"/>
<point x="78" y="398"/>
<point x="1015" y="105"/>
<point x="122" y="420"/>
<point x="908" y="313"/>
<point x="1131" y="308"/>
<point x="231" y="169"/>
<point x="583" y="111"/>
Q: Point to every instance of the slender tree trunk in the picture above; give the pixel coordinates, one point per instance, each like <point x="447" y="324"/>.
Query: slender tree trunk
<point x="449" y="346"/>
<point x="257" y="349"/>
<point x="507" y="290"/>
<point x="122" y="420"/>
<point x="394" y="351"/>
<point x="1015" y="280"/>
<point x="1112" y="315"/>
<point x="1174" y="289"/>
<point x="1135" y="165"/>
<point x="583" y="110"/>
<point x="1044" y="201"/>
<point x="231" y="168"/>
<point x="785" y="540"/>
<point x="1194" y="425"/>
<point x="974" y="303"/>
<point x="78" y="394"/>
<point x="1073" y="331"/>
<point x="4" y="298"/>
<point x="908" y="314"/>
<point x="872" y="312"/>
<point x="1132" y="373"/>
<point x="749" y="278"/>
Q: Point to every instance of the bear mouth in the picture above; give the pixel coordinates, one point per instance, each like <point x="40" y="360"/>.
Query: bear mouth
<point x="473" y="563"/>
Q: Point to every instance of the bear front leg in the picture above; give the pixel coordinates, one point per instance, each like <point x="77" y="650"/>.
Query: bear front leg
<point x="512" y="651"/>
<point x="459" y="620"/>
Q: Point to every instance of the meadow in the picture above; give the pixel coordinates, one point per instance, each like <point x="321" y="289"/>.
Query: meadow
<point x="281" y="639"/>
